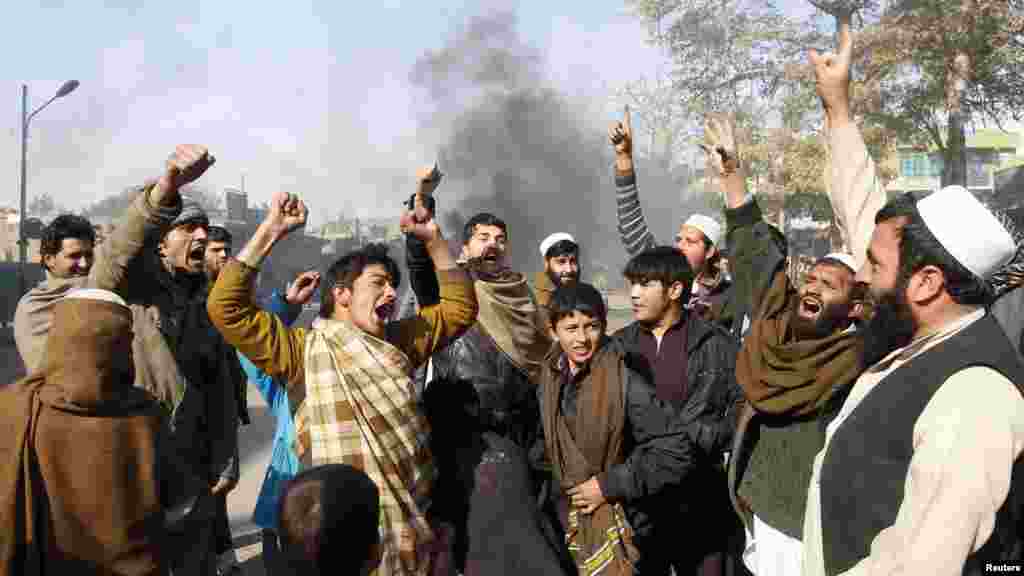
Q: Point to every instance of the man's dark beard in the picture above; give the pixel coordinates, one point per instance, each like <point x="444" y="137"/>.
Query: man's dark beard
<point x="890" y="327"/>
<point x="831" y="318"/>
<point x="556" y="279"/>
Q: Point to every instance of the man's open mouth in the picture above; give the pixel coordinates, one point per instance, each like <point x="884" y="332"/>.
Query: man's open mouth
<point x="384" y="311"/>
<point x="810" y="307"/>
<point x="491" y="257"/>
<point x="197" y="253"/>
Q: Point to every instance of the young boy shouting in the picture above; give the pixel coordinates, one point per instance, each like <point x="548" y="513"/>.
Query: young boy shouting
<point x="612" y="444"/>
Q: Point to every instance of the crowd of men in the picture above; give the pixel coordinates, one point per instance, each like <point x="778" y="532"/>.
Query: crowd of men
<point x="866" y="419"/>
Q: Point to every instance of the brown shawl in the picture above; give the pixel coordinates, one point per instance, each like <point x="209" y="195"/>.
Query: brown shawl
<point x="600" y="543"/>
<point x="510" y="316"/>
<point x="78" y="454"/>
<point x="784" y="376"/>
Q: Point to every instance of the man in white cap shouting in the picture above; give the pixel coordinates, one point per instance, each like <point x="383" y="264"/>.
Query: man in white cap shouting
<point x="561" y="266"/>
<point x="920" y="470"/>
<point x="801" y="354"/>
<point x="699" y="238"/>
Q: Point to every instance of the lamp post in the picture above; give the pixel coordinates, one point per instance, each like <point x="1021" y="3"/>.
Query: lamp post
<point x="67" y="88"/>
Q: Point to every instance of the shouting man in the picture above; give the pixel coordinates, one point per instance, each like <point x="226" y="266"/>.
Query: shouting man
<point x="351" y="370"/>
<point x="484" y="411"/>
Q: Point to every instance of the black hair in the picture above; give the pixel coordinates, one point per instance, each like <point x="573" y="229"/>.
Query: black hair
<point x="577" y="297"/>
<point x="919" y="248"/>
<point x="664" y="264"/>
<point x="218" y="234"/>
<point x="328" y="520"/>
<point x="349" y="267"/>
<point x="562" y="248"/>
<point x="63" y="227"/>
<point x="482" y="219"/>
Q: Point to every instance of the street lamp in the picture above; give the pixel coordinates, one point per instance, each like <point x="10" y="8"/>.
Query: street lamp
<point x="67" y="88"/>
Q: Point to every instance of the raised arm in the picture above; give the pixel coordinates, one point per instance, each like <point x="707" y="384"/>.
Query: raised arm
<point x="633" y="231"/>
<point x="151" y="212"/>
<point x="758" y="248"/>
<point x="259" y="335"/>
<point x="854" y="188"/>
<point x="435" y="325"/>
<point x="422" y="278"/>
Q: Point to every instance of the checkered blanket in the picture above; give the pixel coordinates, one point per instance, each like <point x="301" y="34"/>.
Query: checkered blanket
<point x="360" y="410"/>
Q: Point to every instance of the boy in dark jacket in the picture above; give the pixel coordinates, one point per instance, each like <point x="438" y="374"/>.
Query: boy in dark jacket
<point x="612" y="444"/>
<point x="692" y="364"/>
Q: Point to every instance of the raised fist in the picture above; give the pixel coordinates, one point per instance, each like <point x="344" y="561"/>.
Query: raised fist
<point x="287" y="214"/>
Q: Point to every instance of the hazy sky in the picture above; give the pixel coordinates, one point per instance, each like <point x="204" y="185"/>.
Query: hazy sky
<point x="306" y="96"/>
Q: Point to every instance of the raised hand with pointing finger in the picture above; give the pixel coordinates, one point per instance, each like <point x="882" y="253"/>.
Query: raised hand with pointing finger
<point x="621" y="137"/>
<point x="832" y="76"/>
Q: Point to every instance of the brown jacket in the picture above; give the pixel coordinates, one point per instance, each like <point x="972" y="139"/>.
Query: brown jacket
<point x="81" y="455"/>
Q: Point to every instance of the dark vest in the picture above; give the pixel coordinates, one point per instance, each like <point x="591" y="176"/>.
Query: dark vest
<point x="863" y="473"/>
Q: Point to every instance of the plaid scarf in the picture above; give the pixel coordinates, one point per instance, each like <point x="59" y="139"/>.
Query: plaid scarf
<point x="360" y="410"/>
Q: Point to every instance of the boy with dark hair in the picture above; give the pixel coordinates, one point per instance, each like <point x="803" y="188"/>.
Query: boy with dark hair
<point x="328" y="522"/>
<point x="614" y="447"/>
<point x="691" y="363"/>
<point x="67" y="245"/>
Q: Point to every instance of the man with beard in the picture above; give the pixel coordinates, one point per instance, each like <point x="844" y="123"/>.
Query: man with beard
<point x="561" y="267"/>
<point x="921" y="470"/>
<point x="692" y="365"/>
<point x="484" y="412"/>
<point x="800" y="355"/>
<point x="699" y="239"/>
<point x="218" y="251"/>
<point x="66" y="249"/>
<point x="351" y="371"/>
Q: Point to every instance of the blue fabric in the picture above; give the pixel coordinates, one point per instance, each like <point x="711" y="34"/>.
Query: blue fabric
<point x="284" y="464"/>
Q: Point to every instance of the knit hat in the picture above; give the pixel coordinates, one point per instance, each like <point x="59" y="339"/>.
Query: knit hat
<point x="711" y="229"/>
<point x="843" y="258"/>
<point x="554" y="239"/>
<point x="967" y="230"/>
<point x="191" y="212"/>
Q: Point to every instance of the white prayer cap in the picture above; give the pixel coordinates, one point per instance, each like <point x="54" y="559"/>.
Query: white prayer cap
<point x="844" y="258"/>
<point x="95" y="294"/>
<point x="554" y="239"/>
<point x="967" y="230"/>
<point x="707" y="225"/>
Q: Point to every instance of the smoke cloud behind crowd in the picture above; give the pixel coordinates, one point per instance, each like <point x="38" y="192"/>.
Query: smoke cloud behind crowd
<point x="512" y="144"/>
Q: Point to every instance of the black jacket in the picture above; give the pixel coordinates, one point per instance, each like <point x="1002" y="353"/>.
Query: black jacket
<point x="714" y="396"/>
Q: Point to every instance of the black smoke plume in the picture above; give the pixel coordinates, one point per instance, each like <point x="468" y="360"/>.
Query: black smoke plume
<point x="515" y="146"/>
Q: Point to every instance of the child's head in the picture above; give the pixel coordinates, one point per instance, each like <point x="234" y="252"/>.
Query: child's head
<point x="578" y="319"/>
<point x="329" y="521"/>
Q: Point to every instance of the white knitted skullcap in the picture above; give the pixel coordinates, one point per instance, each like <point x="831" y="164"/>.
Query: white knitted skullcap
<point x="967" y="230"/>
<point x="554" y="239"/>
<point x="707" y="225"/>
